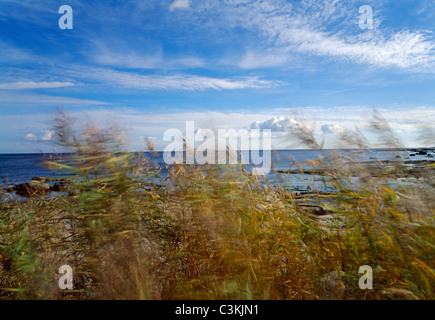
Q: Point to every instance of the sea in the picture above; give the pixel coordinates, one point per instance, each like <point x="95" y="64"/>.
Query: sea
<point x="20" y="168"/>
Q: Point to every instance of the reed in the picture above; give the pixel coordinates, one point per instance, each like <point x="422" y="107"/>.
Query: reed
<point x="216" y="232"/>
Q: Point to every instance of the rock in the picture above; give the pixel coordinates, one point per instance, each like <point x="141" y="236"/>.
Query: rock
<point x="39" y="185"/>
<point x="398" y="294"/>
<point x="56" y="187"/>
<point x="41" y="179"/>
<point x="31" y="188"/>
<point x="412" y="155"/>
<point x="314" y="209"/>
<point x="62" y="186"/>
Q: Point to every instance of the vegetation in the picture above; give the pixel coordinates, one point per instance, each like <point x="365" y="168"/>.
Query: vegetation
<point x="209" y="232"/>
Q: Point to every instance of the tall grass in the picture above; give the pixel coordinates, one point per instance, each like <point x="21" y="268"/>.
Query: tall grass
<point x="209" y="232"/>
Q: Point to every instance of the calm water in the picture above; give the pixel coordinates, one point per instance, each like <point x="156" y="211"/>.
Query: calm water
<point x="19" y="168"/>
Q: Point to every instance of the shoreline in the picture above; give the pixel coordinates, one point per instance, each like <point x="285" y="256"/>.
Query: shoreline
<point x="407" y="169"/>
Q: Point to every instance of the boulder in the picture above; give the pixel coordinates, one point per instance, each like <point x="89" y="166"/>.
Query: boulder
<point x="32" y="188"/>
<point x="398" y="294"/>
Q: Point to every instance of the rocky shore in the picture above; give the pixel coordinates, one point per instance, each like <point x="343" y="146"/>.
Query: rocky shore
<point x="399" y="169"/>
<point x="39" y="186"/>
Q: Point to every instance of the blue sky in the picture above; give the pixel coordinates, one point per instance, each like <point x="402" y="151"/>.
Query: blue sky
<point x="152" y="65"/>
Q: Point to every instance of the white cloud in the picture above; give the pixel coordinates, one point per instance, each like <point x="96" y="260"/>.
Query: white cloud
<point x="31" y="137"/>
<point x="47" y="135"/>
<point x="278" y="124"/>
<point x="333" y="128"/>
<point x="20" y="85"/>
<point x="180" y="4"/>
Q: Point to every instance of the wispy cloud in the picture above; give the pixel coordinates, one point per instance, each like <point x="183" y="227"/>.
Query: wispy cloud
<point x="265" y="59"/>
<point x="34" y="85"/>
<point x="125" y="58"/>
<point x="180" y="4"/>
<point x="121" y="54"/>
<point x="322" y="28"/>
<point x="13" y="54"/>
<point x="8" y="99"/>
<point x="177" y="82"/>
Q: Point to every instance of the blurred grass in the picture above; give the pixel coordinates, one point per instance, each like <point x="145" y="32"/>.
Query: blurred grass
<point x="214" y="232"/>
